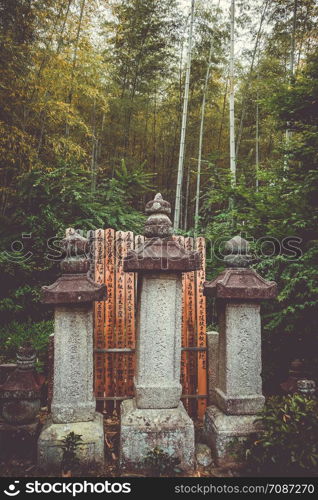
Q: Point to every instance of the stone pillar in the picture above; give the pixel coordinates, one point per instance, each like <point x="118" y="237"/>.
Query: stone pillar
<point x="156" y="417"/>
<point x="157" y="381"/>
<point x="213" y="362"/>
<point x="73" y="402"/>
<point x="50" y="372"/>
<point x="237" y="397"/>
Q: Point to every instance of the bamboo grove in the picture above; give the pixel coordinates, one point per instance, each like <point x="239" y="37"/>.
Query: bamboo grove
<point x="92" y="98"/>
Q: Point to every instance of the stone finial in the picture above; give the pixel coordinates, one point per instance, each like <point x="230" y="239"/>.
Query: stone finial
<point x="158" y="224"/>
<point x="238" y="281"/>
<point x="75" y="251"/>
<point x="160" y="252"/>
<point x="238" y="252"/>
<point x="74" y="286"/>
<point x="26" y="357"/>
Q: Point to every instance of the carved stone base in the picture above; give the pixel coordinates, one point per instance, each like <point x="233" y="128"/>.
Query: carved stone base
<point x="220" y="430"/>
<point x="142" y="430"/>
<point x="91" y="451"/>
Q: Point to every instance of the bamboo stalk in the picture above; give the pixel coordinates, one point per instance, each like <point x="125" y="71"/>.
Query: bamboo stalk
<point x="197" y="198"/>
<point x="183" y="126"/>
<point x="232" y="110"/>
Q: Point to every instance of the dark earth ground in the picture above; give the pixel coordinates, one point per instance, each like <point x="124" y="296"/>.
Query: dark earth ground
<point x="26" y="466"/>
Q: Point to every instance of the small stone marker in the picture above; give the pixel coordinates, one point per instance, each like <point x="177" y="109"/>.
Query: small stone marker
<point x="203" y="455"/>
<point x="237" y="396"/>
<point x="73" y="403"/>
<point x="156" y="417"/>
<point x="306" y="387"/>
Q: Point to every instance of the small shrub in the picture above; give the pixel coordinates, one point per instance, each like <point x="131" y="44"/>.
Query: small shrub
<point x="288" y="442"/>
<point x="70" y="445"/>
<point x="160" y="463"/>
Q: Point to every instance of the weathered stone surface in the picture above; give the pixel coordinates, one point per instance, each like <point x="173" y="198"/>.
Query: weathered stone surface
<point x="144" y="429"/>
<point x="239" y="386"/>
<point x="50" y="372"/>
<point x="91" y="451"/>
<point x="213" y="362"/>
<point x="73" y="397"/>
<point x="203" y="455"/>
<point x="157" y="382"/>
<point x="221" y="429"/>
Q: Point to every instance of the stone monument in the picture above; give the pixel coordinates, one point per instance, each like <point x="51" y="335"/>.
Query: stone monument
<point x="237" y="396"/>
<point x="73" y="403"/>
<point x="156" y="417"/>
<point x="20" y="401"/>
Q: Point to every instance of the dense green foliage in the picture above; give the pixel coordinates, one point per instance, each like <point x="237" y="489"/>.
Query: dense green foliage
<point x="288" y="443"/>
<point x="90" y="113"/>
<point x="15" y="334"/>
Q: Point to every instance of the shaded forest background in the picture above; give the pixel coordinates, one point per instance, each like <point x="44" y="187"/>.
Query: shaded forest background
<point x="91" y="95"/>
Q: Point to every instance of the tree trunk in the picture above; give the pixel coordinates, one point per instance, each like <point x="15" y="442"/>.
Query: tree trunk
<point x="239" y="135"/>
<point x="185" y="224"/>
<point x="257" y="135"/>
<point x="291" y="75"/>
<point x="183" y="127"/>
<point x="70" y="95"/>
<point x="197" y="198"/>
<point x="232" y="115"/>
<point x="223" y="113"/>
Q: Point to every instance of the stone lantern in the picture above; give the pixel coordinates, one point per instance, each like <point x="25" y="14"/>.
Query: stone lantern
<point x="20" y="394"/>
<point x="237" y="395"/>
<point x="20" y="401"/>
<point x="156" y="417"/>
<point x="73" y="404"/>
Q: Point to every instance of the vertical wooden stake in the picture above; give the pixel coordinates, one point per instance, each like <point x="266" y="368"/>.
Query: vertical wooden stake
<point x="99" y="315"/>
<point x="110" y="313"/>
<point x="201" y="328"/>
<point x="191" y="331"/>
<point x="120" y="312"/>
<point x="129" y="320"/>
